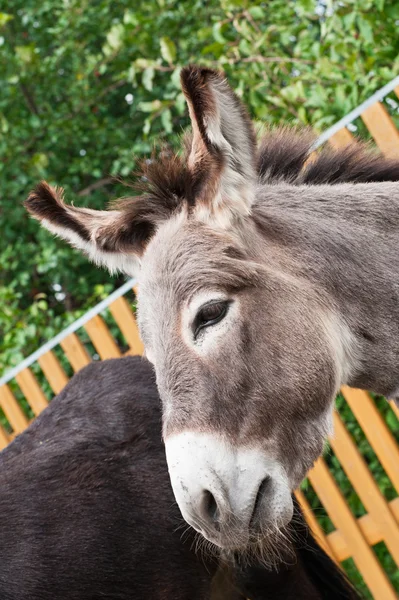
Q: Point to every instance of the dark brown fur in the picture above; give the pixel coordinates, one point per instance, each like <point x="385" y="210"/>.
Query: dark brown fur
<point x="87" y="511"/>
<point x="48" y="203"/>
<point x="166" y="183"/>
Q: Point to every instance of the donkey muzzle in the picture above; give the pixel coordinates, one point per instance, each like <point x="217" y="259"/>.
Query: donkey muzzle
<point x="231" y="495"/>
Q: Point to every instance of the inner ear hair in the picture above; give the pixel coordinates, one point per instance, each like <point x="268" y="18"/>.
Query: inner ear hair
<point x="223" y="152"/>
<point x="46" y="203"/>
<point x="96" y="232"/>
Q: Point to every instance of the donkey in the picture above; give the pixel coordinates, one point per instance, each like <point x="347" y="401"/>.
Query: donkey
<point x="88" y="511"/>
<point x="267" y="281"/>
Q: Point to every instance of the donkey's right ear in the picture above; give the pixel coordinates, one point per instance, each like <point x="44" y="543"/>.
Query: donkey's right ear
<point x="223" y="151"/>
<point x="105" y="236"/>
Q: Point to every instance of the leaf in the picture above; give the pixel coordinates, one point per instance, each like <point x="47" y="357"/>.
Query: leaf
<point x="130" y="18"/>
<point x="4" y="18"/>
<point x="147" y="78"/>
<point x="257" y="12"/>
<point x="39" y="160"/>
<point x="25" y="53"/>
<point x="147" y="126"/>
<point x="175" y="78"/>
<point x="305" y="6"/>
<point x="168" y="50"/>
<point x="150" y="107"/>
<point x="144" y="63"/>
<point x="131" y="74"/>
<point x="349" y="20"/>
<point x="216" y="48"/>
<point x="166" y="118"/>
<point x="217" y="33"/>
<point x="231" y="4"/>
<point x="325" y="66"/>
<point x="245" y="47"/>
<point x="365" y="29"/>
<point x="341" y="98"/>
<point x="180" y="103"/>
<point x="115" y="35"/>
<point x="302" y="115"/>
<point x="4" y="126"/>
<point x="277" y="100"/>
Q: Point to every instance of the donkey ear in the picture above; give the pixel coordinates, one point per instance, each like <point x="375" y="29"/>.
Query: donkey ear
<point x="103" y="235"/>
<point x="223" y="152"/>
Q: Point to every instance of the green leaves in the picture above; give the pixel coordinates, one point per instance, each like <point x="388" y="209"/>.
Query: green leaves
<point x="305" y="6"/>
<point x="39" y="161"/>
<point x="114" y="39"/>
<point x="257" y="12"/>
<point x="166" y="119"/>
<point x="217" y="33"/>
<point x="25" y="53"/>
<point x="366" y="29"/>
<point x="147" y="78"/>
<point x="87" y="93"/>
<point x="168" y="50"/>
<point x="4" y="18"/>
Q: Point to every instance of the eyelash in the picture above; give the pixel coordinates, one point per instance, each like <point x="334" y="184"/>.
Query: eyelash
<point x="200" y="324"/>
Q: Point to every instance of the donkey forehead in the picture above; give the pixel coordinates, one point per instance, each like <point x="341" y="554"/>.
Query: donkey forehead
<point x="186" y="257"/>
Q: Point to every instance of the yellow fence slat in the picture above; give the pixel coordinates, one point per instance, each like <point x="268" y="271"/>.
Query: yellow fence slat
<point x="32" y="391"/>
<point x="4" y="440"/>
<point x="396" y="90"/>
<point x="53" y="371"/>
<point x="376" y="431"/>
<point x="336" y="540"/>
<point x="75" y="352"/>
<point x="314" y="525"/>
<point x="126" y="322"/>
<point x="342" y="138"/>
<point x="12" y="410"/>
<point x="102" y="339"/>
<point x="382" y="128"/>
<point x="365" y="486"/>
<point x="330" y="495"/>
<point x="352" y="537"/>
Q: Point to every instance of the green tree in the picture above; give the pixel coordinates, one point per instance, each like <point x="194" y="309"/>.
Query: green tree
<point x="88" y="86"/>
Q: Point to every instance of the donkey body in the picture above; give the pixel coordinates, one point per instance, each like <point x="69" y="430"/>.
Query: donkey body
<point x="266" y="282"/>
<point x="88" y="511"/>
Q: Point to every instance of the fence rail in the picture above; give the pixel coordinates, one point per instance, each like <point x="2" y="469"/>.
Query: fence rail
<point x="109" y="330"/>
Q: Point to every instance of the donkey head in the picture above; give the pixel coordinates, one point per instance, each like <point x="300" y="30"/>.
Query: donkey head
<point x="247" y="356"/>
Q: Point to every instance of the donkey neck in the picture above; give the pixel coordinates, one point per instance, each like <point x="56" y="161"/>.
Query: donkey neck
<point x="342" y="240"/>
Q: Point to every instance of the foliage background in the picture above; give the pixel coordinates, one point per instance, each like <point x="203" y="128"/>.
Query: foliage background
<point x="88" y="86"/>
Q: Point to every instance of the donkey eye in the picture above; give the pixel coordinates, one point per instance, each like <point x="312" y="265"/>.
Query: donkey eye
<point x="209" y="314"/>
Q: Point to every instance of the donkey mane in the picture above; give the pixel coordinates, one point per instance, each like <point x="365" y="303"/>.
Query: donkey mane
<point x="284" y="155"/>
<point x="165" y="183"/>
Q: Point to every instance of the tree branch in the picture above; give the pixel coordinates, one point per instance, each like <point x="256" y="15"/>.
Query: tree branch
<point x="272" y="59"/>
<point x="96" y="185"/>
<point x="30" y="101"/>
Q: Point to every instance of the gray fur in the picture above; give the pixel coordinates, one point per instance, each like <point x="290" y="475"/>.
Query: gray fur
<point x="313" y="271"/>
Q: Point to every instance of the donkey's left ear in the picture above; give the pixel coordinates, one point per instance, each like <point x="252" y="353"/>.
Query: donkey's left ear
<point x="105" y="236"/>
<point x="223" y="152"/>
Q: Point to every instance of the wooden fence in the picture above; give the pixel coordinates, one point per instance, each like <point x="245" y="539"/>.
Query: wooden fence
<point x="115" y="333"/>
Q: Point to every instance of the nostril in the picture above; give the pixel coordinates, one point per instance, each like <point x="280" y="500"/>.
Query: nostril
<point x="210" y="507"/>
<point x="262" y="491"/>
